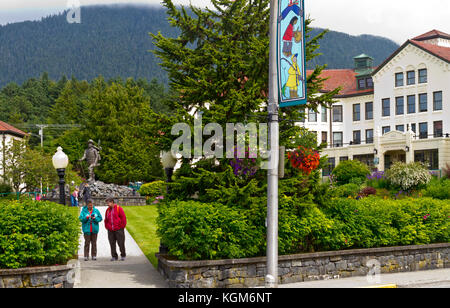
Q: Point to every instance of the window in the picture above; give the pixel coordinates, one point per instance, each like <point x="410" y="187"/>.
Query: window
<point x="399" y="79"/>
<point x="361" y="83"/>
<point x="369" y="136"/>
<point x="337" y="113"/>
<point x="400" y="128"/>
<point x="369" y="111"/>
<point x="331" y="164"/>
<point x="423" y="130"/>
<point x="437" y="129"/>
<point x="413" y="127"/>
<point x="369" y="82"/>
<point x="343" y="158"/>
<point x="437" y="100"/>
<point x="337" y="139"/>
<point x="367" y="159"/>
<point x="323" y="114"/>
<point x="423" y="102"/>
<point x="429" y="157"/>
<point x="385" y="129"/>
<point x="356" y="112"/>
<point x="356" y="137"/>
<point x="312" y="115"/>
<point x="386" y="107"/>
<point x="423" y="75"/>
<point x="324" y="137"/>
<point x="411" y="77"/>
<point x="399" y="105"/>
<point x="411" y="103"/>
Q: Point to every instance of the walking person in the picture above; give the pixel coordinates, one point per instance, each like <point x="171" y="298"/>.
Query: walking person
<point x="90" y="218"/>
<point x="74" y="197"/>
<point x="115" y="223"/>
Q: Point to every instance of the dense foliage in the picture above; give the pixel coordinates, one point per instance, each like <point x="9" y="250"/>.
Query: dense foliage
<point x="36" y="233"/>
<point x="349" y="170"/>
<point x="112" y="41"/>
<point x="124" y="116"/>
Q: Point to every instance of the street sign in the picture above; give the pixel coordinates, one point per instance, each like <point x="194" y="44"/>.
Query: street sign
<point x="291" y="63"/>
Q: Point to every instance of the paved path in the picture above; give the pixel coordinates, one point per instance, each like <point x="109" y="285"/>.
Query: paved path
<point x="438" y="278"/>
<point x="135" y="272"/>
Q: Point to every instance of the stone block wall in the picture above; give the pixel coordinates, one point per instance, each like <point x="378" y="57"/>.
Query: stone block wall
<point x="59" y="276"/>
<point x="250" y="272"/>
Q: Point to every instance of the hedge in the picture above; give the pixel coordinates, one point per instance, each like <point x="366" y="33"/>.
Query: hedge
<point x="36" y="233"/>
<point x="195" y="230"/>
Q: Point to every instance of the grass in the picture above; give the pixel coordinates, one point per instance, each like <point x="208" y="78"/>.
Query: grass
<point x="141" y="223"/>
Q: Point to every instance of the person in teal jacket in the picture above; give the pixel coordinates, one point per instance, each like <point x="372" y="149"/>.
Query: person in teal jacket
<point x="90" y="217"/>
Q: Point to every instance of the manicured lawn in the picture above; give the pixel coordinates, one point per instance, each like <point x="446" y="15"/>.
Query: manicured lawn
<point x="141" y="223"/>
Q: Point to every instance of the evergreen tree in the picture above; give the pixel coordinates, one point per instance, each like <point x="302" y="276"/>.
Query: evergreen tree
<point x="219" y="65"/>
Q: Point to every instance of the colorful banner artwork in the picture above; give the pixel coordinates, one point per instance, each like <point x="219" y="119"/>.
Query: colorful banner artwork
<point x="291" y="53"/>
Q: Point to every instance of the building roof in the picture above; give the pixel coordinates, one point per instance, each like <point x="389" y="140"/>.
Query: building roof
<point x="431" y="35"/>
<point x="344" y="78"/>
<point x="440" y="52"/>
<point x="5" y="128"/>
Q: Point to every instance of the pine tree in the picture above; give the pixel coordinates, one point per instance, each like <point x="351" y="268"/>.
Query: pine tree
<point x="219" y="64"/>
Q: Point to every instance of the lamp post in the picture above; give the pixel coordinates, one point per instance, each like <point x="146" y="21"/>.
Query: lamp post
<point x="60" y="162"/>
<point x="168" y="161"/>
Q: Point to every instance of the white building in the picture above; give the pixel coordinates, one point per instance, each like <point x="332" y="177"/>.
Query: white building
<point x="7" y="134"/>
<point x="398" y="111"/>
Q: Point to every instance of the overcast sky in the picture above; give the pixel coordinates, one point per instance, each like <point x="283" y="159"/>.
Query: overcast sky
<point x="398" y="20"/>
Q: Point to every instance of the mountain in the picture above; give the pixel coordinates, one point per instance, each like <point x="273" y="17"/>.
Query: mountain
<point x="113" y="41"/>
<point x="338" y="49"/>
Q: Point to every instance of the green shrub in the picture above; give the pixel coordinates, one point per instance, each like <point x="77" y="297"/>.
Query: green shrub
<point x="153" y="189"/>
<point x="309" y="232"/>
<point x="438" y="189"/>
<point x="346" y="190"/>
<point x="408" y="176"/>
<point x="36" y="233"/>
<point x="350" y="171"/>
<point x="194" y="231"/>
<point x="375" y="222"/>
<point x="5" y="188"/>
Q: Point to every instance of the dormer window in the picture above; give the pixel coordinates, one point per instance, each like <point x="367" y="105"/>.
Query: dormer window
<point x="365" y="83"/>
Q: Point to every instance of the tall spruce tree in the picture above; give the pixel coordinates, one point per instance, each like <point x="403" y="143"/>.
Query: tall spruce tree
<point x="219" y="64"/>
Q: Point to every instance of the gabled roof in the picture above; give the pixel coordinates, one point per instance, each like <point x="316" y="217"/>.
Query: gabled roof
<point x="440" y="52"/>
<point x="431" y="35"/>
<point x="345" y="78"/>
<point x="5" y="128"/>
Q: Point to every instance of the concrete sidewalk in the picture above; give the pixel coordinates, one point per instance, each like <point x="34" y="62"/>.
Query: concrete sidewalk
<point x="135" y="272"/>
<point x="439" y="278"/>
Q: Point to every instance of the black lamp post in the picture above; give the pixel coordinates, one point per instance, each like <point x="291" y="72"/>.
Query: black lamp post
<point x="168" y="161"/>
<point x="60" y="162"/>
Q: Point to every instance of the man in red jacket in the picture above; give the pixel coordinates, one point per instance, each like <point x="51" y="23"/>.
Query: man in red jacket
<point x="115" y="223"/>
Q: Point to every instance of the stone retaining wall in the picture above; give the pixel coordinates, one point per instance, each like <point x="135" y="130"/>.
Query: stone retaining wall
<point x="58" y="276"/>
<point x="250" y="272"/>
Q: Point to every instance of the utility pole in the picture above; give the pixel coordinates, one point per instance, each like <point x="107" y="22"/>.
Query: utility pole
<point x="272" y="174"/>
<point x="41" y="132"/>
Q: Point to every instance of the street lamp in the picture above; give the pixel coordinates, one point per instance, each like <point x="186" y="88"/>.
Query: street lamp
<point x="60" y="162"/>
<point x="168" y="161"/>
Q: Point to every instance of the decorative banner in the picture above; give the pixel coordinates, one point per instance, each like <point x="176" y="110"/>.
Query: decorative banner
<point x="291" y="64"/>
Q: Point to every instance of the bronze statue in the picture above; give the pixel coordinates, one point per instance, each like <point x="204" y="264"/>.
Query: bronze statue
<point x="92" y="157"/>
